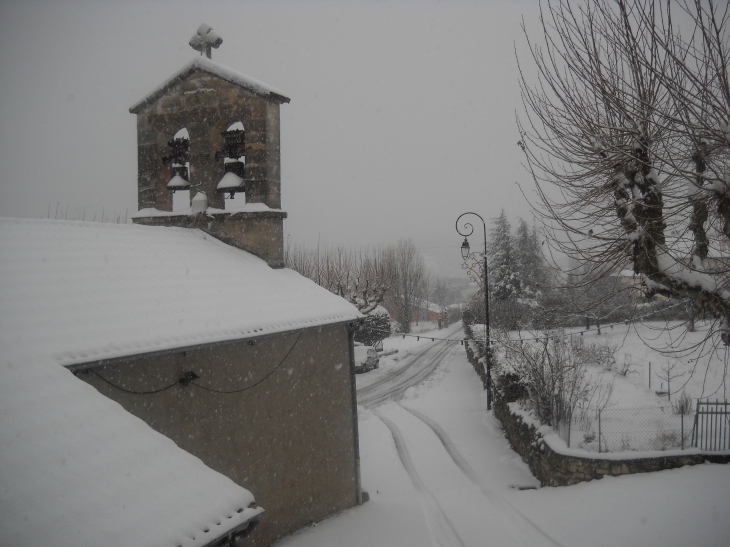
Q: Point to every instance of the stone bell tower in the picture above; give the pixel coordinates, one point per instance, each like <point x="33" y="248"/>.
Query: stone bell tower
<point x="215" y="132"/>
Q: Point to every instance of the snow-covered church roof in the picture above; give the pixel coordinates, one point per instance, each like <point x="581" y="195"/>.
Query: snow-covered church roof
<point x="225" y="73"/>
<point x="79" y="292"/>
<point x="78" y="469"/>
<point x="75" y="467"/>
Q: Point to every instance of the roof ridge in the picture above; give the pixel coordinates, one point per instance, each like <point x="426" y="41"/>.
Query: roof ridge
<point x="212" y="67"/>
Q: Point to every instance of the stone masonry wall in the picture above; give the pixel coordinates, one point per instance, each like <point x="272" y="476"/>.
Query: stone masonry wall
<point x="206" y="105"/>
<point x="260" y="233"/>
<point x="554" y="469"/>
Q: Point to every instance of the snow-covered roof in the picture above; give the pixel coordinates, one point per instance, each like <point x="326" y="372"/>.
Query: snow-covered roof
<point x="228" y="74"/>
<point x="79" y="292"/>
<point x="78" y="469"/>
<point x="75" y="467"/>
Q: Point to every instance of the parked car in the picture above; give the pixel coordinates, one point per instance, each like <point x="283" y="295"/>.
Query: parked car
<point x="366" y="359"/>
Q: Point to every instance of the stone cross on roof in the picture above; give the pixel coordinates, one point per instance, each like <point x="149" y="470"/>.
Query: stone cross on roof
<point x="205" y="39"/>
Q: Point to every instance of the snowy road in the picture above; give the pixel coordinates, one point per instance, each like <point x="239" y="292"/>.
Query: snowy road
<point x="392" y="385"/>
<point x="440" y="473"/>
<point x="458" y="508"/>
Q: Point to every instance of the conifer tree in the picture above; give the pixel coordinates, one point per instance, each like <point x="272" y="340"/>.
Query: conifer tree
<point x="531" y="267"/>
<point x="503" y="281"/>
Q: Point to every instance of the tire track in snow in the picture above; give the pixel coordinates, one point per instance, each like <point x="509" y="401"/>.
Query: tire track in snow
<point x="461" y="462"/>
<point x="442" y="531"/>
<point x="393" y="388"/>
<point x="364" y="391"/>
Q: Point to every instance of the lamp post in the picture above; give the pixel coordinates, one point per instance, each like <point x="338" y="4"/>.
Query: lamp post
<point x="469" y="230"/>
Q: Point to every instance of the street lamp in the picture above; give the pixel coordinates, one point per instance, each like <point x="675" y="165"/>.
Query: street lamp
<point x="469" y="230"/>
<point x="465" y="249"/>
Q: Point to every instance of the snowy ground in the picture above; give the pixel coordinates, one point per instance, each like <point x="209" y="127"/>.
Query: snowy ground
<point x="639" y="415"/>
<point x="700" y="373"/>
<point x="439" y="472"/>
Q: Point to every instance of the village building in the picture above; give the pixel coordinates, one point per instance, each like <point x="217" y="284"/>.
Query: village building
<point x="190" y="326"/>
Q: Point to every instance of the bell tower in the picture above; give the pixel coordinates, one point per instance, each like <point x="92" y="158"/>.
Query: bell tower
<point x="230" y="147"/>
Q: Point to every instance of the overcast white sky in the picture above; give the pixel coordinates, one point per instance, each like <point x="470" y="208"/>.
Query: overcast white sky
<point x="402" y="113"/>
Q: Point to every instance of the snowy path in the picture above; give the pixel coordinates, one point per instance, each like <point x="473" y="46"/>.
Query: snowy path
<point x="391" y="385"/>
<point x="440" y="473"/>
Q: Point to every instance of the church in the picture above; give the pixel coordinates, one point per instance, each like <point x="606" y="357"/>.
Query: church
<point x="187" y="331"/>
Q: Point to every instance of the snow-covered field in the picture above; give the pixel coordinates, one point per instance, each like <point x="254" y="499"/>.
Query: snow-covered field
<point x="439" y="472"/>
<point x="640" y="414"/>
<point x="699" y="373"/>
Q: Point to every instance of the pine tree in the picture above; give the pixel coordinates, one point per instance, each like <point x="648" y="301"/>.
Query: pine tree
<point x="531" y="267"/>
<point x="503" y="281"/>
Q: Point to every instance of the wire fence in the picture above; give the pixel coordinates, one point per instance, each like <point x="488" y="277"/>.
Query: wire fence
<point x="641" y="428"/>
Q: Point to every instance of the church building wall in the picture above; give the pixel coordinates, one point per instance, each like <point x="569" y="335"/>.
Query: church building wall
<point x="291" y="438"/>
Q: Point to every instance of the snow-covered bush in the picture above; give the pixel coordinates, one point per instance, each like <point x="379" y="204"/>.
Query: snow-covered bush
<point x="554" y="375"/>
<point x="374" y="328"/>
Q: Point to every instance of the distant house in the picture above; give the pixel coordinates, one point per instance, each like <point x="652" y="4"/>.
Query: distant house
<point x="189" y="322"/>
<point x="428" y="311"/>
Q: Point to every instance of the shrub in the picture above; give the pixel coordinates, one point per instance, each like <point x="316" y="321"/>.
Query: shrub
<point x="683" y="405"/>
<point x="374" y="328"/>
<point x="509" y="388"/>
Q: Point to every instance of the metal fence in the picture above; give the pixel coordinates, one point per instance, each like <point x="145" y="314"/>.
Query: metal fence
<point x="711" y="429"/>
<point x="628" y="429"/>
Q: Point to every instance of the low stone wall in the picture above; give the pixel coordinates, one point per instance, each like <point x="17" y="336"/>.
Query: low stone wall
<point x="554" y="469"/>
<point x="471" y="355"/>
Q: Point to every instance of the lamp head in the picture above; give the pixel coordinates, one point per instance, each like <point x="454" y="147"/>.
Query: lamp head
<point x="465" y="249"/>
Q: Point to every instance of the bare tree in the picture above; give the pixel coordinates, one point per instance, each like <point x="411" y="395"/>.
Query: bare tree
<point x="357" y="276"/>
<point x="667" y="374"/>
<point x="406" y="274"/>
<point x="443" y="297"/>
<point x="552" y="368"/>
<point x="627" y="136"/>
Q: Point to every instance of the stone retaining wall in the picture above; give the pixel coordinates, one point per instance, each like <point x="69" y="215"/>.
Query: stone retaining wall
<point x="554" y="469"/>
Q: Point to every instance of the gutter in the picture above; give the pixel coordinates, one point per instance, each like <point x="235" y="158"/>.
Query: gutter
<point x="232" y="537"/>
<point x="124" y="359"/>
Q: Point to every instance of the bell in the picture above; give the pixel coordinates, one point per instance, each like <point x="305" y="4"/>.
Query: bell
<point x="179" y="180"/>
<point x="231" y="182"/>
<point x="232" y="154"/>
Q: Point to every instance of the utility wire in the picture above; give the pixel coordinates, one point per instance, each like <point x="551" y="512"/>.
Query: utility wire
<point x="120" y="388"/>
<point x="607" y="325"/>
<point x="152" y="392"/>
<point x="260" y="381"/>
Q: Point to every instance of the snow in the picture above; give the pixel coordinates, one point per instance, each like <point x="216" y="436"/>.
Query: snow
<point x="78" y="292"/>
<point x="205" y="36"/>
<point x="458" y="484"/>
<point x="245" y="208"/>
<point x="178" y="182"/>
<point x="223" y="72"/>
<point x="230" y="180"/>
<point x="639" y="413"/>
<point x="77" y="469"/>
<point x="558" y="445"/>
<point x="199" y="203"/>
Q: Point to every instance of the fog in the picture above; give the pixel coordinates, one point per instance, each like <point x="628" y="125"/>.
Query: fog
<point x="402" y="114"/>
